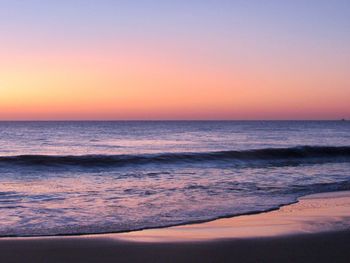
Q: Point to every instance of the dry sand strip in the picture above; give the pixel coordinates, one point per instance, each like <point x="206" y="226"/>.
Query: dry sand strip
<point x="316" y="229"/>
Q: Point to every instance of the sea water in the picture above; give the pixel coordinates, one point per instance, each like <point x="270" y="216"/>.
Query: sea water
<point x="97" y="177"/>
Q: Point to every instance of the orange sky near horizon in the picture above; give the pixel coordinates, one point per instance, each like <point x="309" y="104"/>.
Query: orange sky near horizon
<point x="134" y="85"/>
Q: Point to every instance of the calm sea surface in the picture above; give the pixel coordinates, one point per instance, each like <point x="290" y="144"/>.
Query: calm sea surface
<point x="94" y="177"/>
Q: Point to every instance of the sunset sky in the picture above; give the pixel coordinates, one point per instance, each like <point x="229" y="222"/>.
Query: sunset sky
<point x="194" y="59"/>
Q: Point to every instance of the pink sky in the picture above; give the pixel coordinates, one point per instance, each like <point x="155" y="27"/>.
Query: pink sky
<point x="249" y="67"/>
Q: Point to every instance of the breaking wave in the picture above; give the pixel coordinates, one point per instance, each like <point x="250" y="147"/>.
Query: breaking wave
<point x="297" y="155"/>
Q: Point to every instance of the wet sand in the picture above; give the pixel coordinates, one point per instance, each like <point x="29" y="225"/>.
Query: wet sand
<point x="312" y="214"/>
<point x="316" y="229"/>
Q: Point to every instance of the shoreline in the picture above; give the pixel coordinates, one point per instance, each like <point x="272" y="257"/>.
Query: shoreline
<point x="314" y="229"/>
<point x="204" y="221"/>
<point x="315" y="213"/>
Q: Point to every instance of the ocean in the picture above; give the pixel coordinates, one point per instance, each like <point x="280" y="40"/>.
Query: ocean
<point x="62" y="178"/>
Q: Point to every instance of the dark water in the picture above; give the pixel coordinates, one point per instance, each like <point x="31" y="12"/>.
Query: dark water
<point x="93" y="177"/>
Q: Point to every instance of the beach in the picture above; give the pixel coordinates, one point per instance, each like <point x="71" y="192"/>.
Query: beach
<point x="315" y="229"/>
<point x="174" y="131"/>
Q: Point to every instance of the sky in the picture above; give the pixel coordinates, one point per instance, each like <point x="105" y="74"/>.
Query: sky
<point x="194" y="59"/>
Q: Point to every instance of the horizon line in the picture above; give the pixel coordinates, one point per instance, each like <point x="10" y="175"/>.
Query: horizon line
<point x="162" y="120"/>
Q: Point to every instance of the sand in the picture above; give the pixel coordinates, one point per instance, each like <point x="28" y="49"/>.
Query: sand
<point x="316" y="229"/>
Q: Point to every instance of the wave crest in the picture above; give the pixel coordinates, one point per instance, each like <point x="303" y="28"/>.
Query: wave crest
<point x="294" y="154"/>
